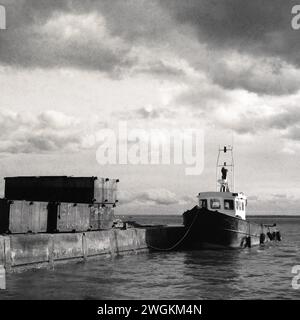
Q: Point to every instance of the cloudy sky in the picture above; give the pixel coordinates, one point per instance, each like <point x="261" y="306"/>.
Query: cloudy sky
<point x="69" y="68"/>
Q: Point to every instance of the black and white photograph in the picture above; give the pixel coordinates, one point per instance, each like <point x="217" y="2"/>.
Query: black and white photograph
<point x="149" y="151"/>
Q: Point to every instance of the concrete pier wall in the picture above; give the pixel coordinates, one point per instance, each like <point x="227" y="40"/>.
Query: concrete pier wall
<point x="33" y="250"/>
<point x="24" y="251"/>
<point x="2" y="252"/>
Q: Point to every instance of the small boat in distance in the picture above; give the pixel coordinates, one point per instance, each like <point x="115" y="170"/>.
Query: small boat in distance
<point x="219" y="219"/>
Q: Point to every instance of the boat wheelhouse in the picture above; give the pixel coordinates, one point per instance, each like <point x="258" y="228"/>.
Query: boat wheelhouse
<point x="230" y="203"/>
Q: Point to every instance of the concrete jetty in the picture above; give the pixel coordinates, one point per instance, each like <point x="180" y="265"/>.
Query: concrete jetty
<point x="24" y="251"/>
<point x="45" y="220"/>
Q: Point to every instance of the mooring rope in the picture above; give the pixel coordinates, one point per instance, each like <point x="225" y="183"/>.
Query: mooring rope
<point x="178" y="242"/>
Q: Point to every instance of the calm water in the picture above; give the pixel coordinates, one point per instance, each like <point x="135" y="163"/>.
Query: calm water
<point x="256" y="273"/>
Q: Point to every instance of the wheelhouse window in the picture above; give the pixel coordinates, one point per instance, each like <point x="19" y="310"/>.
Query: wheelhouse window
<point x="228" y="204"/>
<point x="215" y="204"/>
<point x="203" y="203"/>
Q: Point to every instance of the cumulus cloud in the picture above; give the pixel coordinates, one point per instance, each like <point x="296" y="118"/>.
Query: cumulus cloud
<point x="274" y="203"/>
<point x="56" y="120"/>
<point x="61" y="34"/>
<point x="151" y="197"/>
<point x="264" y="76"/>
<point x="248" y="46"/>
<point x="237" y="45"/>
<point x="49" y="131"/>
<point x="150" y="112"/>
<point x="280" y="196"/>
<point x="216" y="49"/>
<point x="285" y="120"/>
<point x="202" y="95"/>
<point x="160" y="69"/>
<point x="103" y="36"/>
<point x="252" y="26"/>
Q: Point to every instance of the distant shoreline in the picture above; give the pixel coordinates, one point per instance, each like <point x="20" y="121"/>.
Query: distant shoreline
<point x="248" y="216"/>
<point x="273" y="216"/>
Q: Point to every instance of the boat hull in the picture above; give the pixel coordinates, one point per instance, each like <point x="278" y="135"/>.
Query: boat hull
<point x="212" y="229"/>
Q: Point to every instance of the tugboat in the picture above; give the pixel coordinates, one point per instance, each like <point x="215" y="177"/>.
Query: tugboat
<point x="219" y="219"/>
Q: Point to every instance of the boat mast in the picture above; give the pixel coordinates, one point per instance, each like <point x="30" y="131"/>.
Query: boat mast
<point x="224" y="167"/>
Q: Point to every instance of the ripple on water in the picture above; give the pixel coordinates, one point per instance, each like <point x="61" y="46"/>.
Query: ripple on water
<point x="256" y="273"/>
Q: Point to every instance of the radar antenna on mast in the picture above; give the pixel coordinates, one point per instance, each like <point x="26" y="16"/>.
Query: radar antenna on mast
<point x="225" y="169"/>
